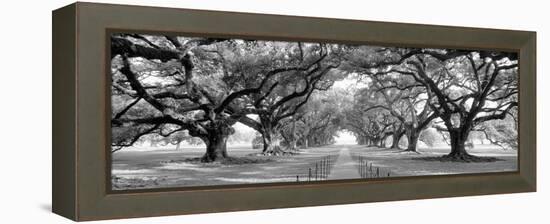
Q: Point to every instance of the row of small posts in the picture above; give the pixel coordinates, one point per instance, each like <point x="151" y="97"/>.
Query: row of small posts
<point x="368" y="170"/>
<point x="319" y="170"/>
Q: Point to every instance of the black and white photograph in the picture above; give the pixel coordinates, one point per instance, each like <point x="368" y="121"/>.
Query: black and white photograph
<point x="190" y="111"/>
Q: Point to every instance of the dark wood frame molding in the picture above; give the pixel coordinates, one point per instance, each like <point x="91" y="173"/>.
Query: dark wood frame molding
<point x="81" y="105"/>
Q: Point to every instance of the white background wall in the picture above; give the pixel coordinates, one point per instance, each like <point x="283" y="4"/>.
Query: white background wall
<point x="25" y="125"/>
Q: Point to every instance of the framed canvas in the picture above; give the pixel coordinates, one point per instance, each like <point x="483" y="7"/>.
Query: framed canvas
<point x="202" y="111"/>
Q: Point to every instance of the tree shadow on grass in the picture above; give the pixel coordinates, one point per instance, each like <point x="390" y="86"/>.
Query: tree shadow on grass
<point x="225" y="161"/>
<point x="404" y="151"/>
<point x="469" y="159"/>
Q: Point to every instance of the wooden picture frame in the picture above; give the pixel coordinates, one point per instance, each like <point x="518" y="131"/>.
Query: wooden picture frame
<point x="81" y="112"/>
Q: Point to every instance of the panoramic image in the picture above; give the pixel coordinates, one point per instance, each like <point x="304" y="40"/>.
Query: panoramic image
<point x="199" y="111"/>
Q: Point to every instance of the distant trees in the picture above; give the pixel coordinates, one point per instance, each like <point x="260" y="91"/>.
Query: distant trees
<point x="430" y="137"/>
<point x="403" y="99"/>
<point x="503" y="134"/>
<point x="297" y="70"/>
<point x="175" y="139"/>
<point x="321" y="119"/>
<point x="317" y="122"/>
<point x="371" y="126"/>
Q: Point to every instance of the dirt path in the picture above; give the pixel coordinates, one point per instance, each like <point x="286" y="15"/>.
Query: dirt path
<point x="344" y="168"/>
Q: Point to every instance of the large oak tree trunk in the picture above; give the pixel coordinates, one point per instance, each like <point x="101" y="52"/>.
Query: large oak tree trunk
<point x="216" y="148"/>
<point x="270" y="137"/>
<point x="412" y="137"/>
<point x="382" y="143"/>
<point x="395" y="139"/>
<point x="293" y="136"/>
<point x="272" y="143"/>
<point x="373" y="142"/>
<point x="292" y="145"/>
<point x="458" y="144"/>
<point x="361" y="140"/>
<point x="216" y="141"/>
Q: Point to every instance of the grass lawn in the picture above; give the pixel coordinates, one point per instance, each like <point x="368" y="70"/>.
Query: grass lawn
<point x="400" y="163"/>
<point x="170" y="168"/>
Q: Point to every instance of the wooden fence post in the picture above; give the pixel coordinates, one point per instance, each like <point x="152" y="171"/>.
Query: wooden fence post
<point x="322" y="169"/>
<point x="316" y="171"/>
<point x="365" y="167"/>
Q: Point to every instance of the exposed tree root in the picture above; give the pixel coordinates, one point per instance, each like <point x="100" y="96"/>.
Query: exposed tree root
<point x="279" y="152"/>
<point x="464" y="158"/>
<point x="244" y="160"/>
<point x="406" y="151"/>
<point x="206" y="159"/>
